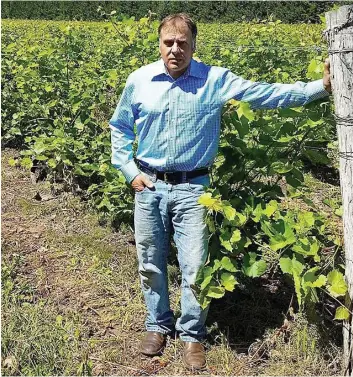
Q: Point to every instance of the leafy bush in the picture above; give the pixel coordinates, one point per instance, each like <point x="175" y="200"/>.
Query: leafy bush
<point x="61" y="83"/>
<point x="220" y="11"/>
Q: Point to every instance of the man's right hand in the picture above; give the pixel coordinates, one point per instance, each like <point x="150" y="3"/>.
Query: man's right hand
<point x="140" y="182"/>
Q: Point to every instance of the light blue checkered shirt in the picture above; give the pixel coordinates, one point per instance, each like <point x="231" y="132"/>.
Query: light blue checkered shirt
<point x="178" y="121"/>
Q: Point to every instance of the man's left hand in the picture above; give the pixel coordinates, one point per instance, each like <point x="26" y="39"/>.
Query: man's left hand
<point x="327" y="78"/>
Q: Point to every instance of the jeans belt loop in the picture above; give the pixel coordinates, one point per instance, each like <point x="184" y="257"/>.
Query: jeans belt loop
<point x="183" y="178"/>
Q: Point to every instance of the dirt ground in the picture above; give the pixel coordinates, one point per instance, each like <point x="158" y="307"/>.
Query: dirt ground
<point x="85" y="278"/>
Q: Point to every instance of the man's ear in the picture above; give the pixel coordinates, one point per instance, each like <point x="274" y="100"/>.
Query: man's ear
<point x="193" y="45"/>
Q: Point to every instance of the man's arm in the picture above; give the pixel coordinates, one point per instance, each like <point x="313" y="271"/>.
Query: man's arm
<point x="262" y="95"/>
<point x="122" y="138"/>
<point x="122" y="134"/>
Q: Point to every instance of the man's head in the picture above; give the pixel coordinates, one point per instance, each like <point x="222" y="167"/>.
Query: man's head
<point x="177" y="42"/>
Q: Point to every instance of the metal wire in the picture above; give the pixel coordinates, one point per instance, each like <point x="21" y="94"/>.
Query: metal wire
<point x="343" y="51"/>
<point x="236" y="49"/>
<point x="264" y="47"/>
<point x="344" y="121"/>
<point x="346" y="155"/>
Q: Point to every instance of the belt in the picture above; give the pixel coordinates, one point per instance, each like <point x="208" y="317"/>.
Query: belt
<point x="173" y="177"/>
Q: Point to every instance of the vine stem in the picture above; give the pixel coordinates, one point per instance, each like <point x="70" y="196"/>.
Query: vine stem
<point x="329" y="294"/>
<point x="67" y="72"/>
<point x="119" y="33"/>
<point x="36" y="119"/>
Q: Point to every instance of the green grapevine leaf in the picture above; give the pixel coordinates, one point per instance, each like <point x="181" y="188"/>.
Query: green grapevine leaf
<point x="297" y="287"/>
<point x="308" y="247"/>
<point x="286" y="265"/>
<point x="215" y="292"/>
<point x="209" y="202"/>
<point x="297" y="266"/>
<point x="228" y="265"/>
<point x="216" y="265"/>
<point x="229" y="212"/>
<point x="315" y="69"/>
<point x="240" y="219"/>
<point x="271" y="208"/>
<point x="245" y="110"/>
<point x="336" y="284"/>
<point x="306" y="219"/>
<point x="291" y="265"/>
<point x="310" y="282"/>
<point x="225" y="240"/>
<point x="236" y="236"/>
<point x="320" y="281"/>
<point x="252" y="267"/>
<point x="281" y="167"/>
<point x="228" y="281"/>
<point x="205" y="283"/>
<point x="204" y="301"/>
<point x="342" y="313"/>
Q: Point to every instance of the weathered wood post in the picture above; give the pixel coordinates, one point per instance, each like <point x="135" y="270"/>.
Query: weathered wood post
<point x="339" y="36"/>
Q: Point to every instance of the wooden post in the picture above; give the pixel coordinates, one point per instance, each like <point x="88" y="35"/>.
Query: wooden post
<point x="339" y="36"/>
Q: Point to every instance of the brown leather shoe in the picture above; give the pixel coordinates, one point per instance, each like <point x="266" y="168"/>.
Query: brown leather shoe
<point x="194" y="355"/>
<point x="153" y="343"/>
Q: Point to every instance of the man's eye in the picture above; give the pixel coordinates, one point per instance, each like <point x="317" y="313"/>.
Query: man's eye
<point x="168" y="44"/>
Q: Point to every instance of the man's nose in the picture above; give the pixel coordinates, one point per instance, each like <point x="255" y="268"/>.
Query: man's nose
<point x="175" y="47"/>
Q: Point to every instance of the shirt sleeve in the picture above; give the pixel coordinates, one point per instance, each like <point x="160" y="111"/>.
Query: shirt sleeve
<point x="262" y="95"/>
<point x="122" y="133"/>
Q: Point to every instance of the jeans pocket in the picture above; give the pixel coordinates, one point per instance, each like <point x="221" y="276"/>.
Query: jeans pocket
<point x="195" y="188"/>
<point x="141" y="192"/>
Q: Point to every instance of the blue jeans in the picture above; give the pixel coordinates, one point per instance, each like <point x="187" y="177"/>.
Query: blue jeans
<point x="156" y="212"/>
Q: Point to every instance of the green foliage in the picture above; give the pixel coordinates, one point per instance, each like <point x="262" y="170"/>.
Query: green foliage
<point x="295" y="12"/>
<point x="58" y="94"/>
<point x="62" y="83"/>
<point x="253" y="267"/>
<point x="342" y="313"/>
<point x="336" y="284"/>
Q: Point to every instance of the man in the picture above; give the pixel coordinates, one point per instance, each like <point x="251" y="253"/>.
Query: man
<point x="176" y="105"/>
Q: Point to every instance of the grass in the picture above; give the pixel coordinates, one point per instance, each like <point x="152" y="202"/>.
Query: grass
<point x="72" y="304"/>
<point x="36" y="340"/>
<point x="301" y="351"/>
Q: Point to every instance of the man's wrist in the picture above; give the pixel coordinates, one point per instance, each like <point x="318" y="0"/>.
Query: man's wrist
<point x="315" y="90"/>
<point x="130" y="171"/>
<point x="134" y="177"/>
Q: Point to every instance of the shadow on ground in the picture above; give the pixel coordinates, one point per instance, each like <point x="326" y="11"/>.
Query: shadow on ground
<point x="244" y="315"/>
<point x="324" y="173"/>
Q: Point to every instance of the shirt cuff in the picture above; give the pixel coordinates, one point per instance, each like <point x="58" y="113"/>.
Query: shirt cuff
<point x="130" y="171"/>
<point x="316" y="90"/>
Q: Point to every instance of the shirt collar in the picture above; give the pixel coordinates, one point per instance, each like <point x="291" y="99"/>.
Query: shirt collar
<point x="194" y="69"/>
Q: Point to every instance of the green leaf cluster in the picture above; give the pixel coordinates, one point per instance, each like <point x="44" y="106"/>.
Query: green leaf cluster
<point x="61" y="83"/>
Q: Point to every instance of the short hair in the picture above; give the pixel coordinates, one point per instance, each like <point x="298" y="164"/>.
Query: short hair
<point x="173" y="18"/>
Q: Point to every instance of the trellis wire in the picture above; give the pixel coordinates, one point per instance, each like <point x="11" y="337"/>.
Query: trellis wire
<point x="265" y="47"/>
<point x="318" y="49"/>
<point x="250" y="47"/>
<point x="238" y="48"/>
<point x="344" y="121"/>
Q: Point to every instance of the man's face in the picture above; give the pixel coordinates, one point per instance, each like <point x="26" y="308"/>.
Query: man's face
<point x="176" y="48"/>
